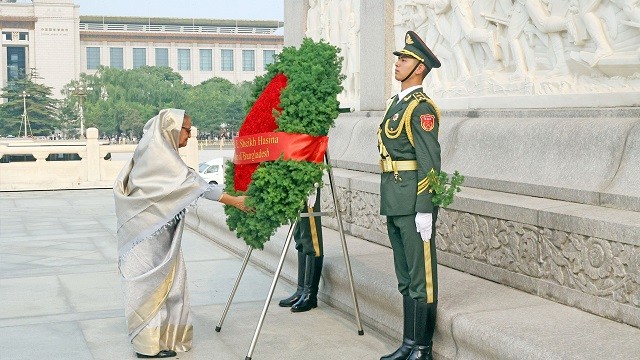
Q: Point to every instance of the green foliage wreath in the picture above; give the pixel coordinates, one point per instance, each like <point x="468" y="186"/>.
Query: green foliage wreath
<point x="278" y="189"/>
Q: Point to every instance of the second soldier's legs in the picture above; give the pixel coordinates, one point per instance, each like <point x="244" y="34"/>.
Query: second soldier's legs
<point x="308" y="238"/>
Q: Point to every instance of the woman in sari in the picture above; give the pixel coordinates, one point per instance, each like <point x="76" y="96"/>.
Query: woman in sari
<point x="151" y="194"/>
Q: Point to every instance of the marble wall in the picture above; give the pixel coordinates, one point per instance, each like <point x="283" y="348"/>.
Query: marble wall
<point x="587" y="51"/>
<point x="540" y="105"/>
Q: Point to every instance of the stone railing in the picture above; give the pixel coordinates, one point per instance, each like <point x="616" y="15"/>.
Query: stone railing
<point x="52" y="165"/>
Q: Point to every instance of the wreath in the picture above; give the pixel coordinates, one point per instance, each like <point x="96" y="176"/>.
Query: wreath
<point x="297" y="95"/>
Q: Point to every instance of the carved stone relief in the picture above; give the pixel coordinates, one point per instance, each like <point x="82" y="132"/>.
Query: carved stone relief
<point x="526" y="47"/>
<point x="338" y="22"/>
<point x="365" y="209"/>
<point x="592" y="266"/>
<point x="344" y="200"/>
<point x="601" y="268"/>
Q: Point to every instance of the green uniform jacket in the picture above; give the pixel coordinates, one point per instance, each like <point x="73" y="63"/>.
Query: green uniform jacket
<point x="409" y="194"/>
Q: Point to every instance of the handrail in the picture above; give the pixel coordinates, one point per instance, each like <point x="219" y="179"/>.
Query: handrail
<point x="95" y="168"/>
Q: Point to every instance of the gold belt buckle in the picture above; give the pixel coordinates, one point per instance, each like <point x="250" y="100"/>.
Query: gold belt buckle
<point x="385" y="164"/>
<point x="396" y="175"/>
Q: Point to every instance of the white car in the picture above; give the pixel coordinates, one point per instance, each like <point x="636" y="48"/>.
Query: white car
<point x="212" y="171"/>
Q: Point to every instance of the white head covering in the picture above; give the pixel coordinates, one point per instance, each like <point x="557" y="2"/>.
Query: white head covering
<point x="156" y="185"/>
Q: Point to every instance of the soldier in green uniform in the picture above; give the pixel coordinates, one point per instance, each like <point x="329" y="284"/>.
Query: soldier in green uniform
<point x="308" y="238"/>
<point x="409" y="148"/>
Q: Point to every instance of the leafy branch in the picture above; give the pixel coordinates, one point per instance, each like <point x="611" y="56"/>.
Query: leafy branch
<point x="443" y="188"/>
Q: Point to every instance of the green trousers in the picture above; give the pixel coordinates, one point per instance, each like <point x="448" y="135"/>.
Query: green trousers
<point x="308" y="231"/>
<point x="414" y="260"/>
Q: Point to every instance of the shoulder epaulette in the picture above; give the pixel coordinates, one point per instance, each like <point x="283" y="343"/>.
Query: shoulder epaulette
<point x="420" y="96"/>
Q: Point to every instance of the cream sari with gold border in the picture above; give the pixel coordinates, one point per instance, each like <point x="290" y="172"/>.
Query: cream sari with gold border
<point x="151" y="193"/>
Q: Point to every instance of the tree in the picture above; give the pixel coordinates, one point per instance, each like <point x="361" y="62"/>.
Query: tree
<point x="67" y="119"/>
<point x="121" y="101"/>
<point x="40" y="106"/>
<point x="217" y="101"/>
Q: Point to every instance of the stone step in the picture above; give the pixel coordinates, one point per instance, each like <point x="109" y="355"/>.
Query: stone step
<point x="477" y="319"/>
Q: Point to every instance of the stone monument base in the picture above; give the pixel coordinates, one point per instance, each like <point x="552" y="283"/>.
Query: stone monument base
<point x="551" y="203"/>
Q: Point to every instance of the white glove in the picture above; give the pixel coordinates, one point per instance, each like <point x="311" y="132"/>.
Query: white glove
<point x="311" y="200"/>
<point x="423" y="225"/>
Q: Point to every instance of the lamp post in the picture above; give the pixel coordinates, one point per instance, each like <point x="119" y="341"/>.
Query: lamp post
<point x="81" y="92"/>
<point x="25" y="117"/>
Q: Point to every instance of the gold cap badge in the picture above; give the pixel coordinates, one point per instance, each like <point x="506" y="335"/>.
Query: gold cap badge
<point x="416" y="48"/>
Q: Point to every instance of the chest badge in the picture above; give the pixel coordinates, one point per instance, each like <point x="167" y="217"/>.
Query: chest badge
<point x="395" y="117"/>
<point x="427" y="121"/>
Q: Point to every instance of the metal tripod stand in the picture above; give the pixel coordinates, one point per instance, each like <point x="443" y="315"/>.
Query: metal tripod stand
<point x="276" y="275"/>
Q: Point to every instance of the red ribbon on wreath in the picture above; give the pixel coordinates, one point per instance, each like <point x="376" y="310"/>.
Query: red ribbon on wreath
<point x="257" y="141"/>
<point x="273" y="145"/>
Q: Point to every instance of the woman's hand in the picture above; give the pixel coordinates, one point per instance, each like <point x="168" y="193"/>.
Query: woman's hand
<point x="239" y="202"/>
<point x="235" y="201"/>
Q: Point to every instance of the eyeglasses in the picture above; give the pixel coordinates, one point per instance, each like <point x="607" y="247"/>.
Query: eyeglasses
<point x="188" y="130"/>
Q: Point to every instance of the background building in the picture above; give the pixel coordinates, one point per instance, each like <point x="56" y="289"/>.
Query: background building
<point x="198" y="49"/>
<point x="42" y="34"/>
<point x="52" y="37"/>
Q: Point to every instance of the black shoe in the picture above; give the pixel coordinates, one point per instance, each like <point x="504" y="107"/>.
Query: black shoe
<point x="306" y="303"/>
<point x="309" y="298"/>
<point x="288" y="302"/>
<point x="402" y="352"/>
<point x="161" y="354"/>
<point x="420" y="352"/>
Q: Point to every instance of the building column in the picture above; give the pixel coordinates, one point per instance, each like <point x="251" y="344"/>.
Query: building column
<point x="295" y="18"/>
<point x="376" y="53"/>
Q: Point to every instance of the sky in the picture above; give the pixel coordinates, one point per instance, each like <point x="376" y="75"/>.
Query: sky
<point x="196" y="9"/>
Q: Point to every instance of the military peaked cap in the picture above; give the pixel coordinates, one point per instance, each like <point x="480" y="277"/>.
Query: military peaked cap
<point x="417" y="49"/>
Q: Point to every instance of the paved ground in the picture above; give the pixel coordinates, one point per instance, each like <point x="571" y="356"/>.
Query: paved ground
<point x="60" y="292"/>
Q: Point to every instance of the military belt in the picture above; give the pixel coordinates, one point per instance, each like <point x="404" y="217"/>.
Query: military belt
<point x="388" y="165"/>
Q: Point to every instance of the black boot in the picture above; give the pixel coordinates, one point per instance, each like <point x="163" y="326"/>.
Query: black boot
<point x="408" y="341"/>
<point x="425" y="324"/>
<point x="309" y="298"/>
<point x="420" y="352"/>
<point x="288" y="302"/>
